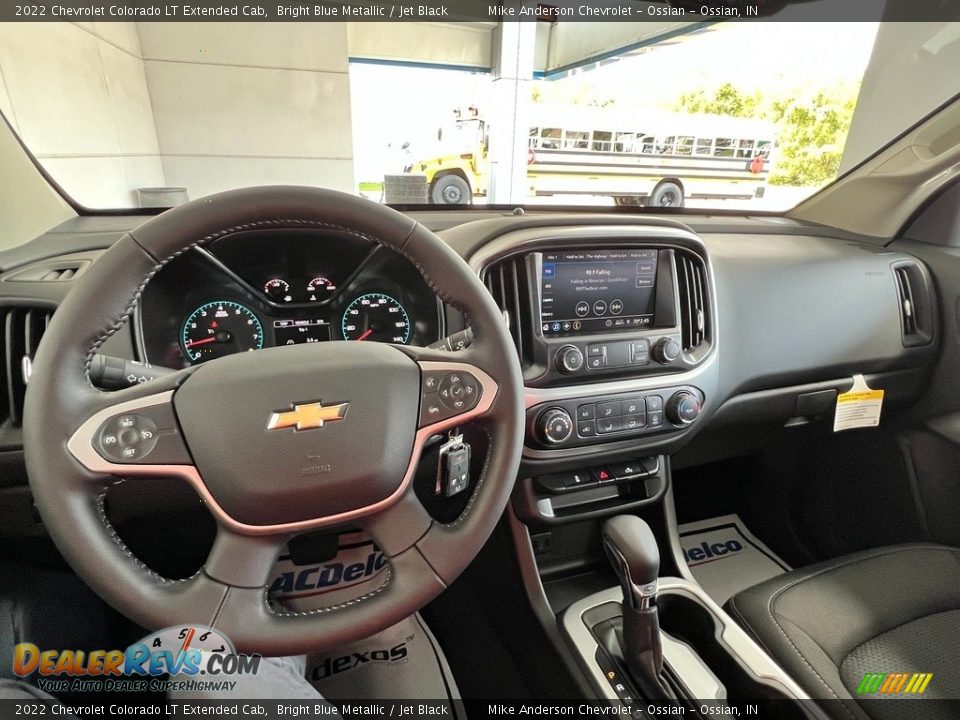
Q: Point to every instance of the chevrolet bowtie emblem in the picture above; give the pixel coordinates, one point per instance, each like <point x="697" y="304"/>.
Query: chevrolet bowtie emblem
<point x="307" y="416"/>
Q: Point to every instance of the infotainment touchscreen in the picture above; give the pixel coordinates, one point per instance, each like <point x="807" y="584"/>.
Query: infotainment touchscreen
<point x="587" y="291"/>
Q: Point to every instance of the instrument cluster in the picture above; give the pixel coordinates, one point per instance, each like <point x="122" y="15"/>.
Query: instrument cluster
<point x="279" y="287"/>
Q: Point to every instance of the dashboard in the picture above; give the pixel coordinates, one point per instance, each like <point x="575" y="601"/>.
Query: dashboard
<point x="284" y="286"/>
<point x="639" y="338"/>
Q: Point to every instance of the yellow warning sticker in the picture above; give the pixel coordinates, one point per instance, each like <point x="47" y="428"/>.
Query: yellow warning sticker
<point x="859" y="407"/>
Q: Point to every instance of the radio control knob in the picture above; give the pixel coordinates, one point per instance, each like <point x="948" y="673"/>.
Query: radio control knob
<point x="569" y="359"/>
<point x="666" y="350"/>
<point x="555" y="426"/>
<point x="683" y="408"/>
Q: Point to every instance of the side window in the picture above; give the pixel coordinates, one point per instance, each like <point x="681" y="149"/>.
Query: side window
<point x="550" y="138"/>
<point x="602" y="140"/>
<point x="745" y="149"/>
<point x="704" y="146"/>
<point x="666" y="145"/>
<point x="649" y="145"/>
<point x="684" y="145"/>
<point x="532" y="137"/>
<point x="626" y="143"/>
<point x="725" y="147"/>
<point x="576" y="140"/>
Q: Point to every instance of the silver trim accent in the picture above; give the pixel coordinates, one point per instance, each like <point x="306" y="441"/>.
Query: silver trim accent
<point x="737" y="642"/>
<point x="536" y="396"/>
<point x="26" y="369"/>
<point x="81" y="447"/>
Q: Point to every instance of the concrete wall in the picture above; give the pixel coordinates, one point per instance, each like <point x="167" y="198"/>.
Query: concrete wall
<point x="239" y="104"/>
<point x="77" y="95"/>
<point x="111" y="107"/>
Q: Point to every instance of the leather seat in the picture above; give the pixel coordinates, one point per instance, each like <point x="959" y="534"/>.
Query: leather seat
<point x="890" y="610"/>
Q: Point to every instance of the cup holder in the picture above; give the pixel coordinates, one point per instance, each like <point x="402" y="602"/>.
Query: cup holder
<point x="686" y="619"/>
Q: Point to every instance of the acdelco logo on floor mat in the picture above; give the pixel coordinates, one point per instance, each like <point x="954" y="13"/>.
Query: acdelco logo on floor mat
<point x="317" y="579"/>
<point x="710" y="551"/>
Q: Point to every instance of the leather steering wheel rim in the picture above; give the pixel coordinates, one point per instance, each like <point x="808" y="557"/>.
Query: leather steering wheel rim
<point x="229" y="592"/>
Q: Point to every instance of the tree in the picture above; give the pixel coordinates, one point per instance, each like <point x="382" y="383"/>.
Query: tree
<point x="725" y="100"/>
<point x="811" y="128"/>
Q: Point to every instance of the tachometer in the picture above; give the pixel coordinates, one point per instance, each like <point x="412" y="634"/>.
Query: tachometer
<point x="278" y="290"/>
<point x="219" y="328"/>
<point x="376" y="316"/>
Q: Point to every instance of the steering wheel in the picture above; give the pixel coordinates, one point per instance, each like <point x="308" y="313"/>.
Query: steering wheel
<point x="276" y="442"/>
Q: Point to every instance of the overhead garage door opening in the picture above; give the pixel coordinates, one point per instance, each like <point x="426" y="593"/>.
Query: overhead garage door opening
<point x="726" y="115"/>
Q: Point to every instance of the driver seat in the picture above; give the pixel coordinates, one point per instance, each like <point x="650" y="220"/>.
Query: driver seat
<point x="884" y="611"/>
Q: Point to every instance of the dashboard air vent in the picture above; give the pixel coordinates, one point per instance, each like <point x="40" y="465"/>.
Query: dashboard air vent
<point x="508" y="284"/>
<point x="694" y="305"/>
<point x="915" y="303"/>
<point x="50" y="272"/>
<point x="22" y="329"/>
<point x="908" y="320"/>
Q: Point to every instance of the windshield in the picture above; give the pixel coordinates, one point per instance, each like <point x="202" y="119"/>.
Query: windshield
<point x="719" y="115"/>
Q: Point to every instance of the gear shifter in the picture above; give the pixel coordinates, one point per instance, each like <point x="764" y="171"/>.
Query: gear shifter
<point x="632" y="548"/>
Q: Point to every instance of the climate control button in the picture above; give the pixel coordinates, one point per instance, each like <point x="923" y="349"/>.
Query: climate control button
<point x="555" y="426"/>
<point x="683" y="408"/>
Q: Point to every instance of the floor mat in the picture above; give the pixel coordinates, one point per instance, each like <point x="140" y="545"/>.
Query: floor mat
<point x="404" y="662"/>
<point x="725" y="557"/>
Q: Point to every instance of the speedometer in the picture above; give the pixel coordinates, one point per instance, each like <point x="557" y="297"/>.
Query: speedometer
<point x="219" y="328"/>
<point x="376" y="316"/>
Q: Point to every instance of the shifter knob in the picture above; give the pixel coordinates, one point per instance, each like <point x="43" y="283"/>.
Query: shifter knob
<point x="632" y="548"/>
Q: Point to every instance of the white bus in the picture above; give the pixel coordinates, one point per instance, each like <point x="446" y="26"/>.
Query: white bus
<point x="652" y="158"/>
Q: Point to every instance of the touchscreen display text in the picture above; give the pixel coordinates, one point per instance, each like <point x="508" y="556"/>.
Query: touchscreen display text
<point x="586" y="291"/>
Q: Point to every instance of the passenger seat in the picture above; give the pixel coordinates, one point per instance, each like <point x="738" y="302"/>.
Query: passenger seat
<point x="886" y="611"/>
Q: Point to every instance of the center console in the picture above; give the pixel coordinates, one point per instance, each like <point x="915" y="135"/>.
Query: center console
<point x="616" y="331"/>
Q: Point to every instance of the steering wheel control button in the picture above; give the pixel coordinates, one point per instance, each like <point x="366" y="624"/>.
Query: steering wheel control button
<point x="127" y="438"/>
<point x="431" y="381"/>
<point x="447" y="394"/>
<point x="148" y="436"/>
